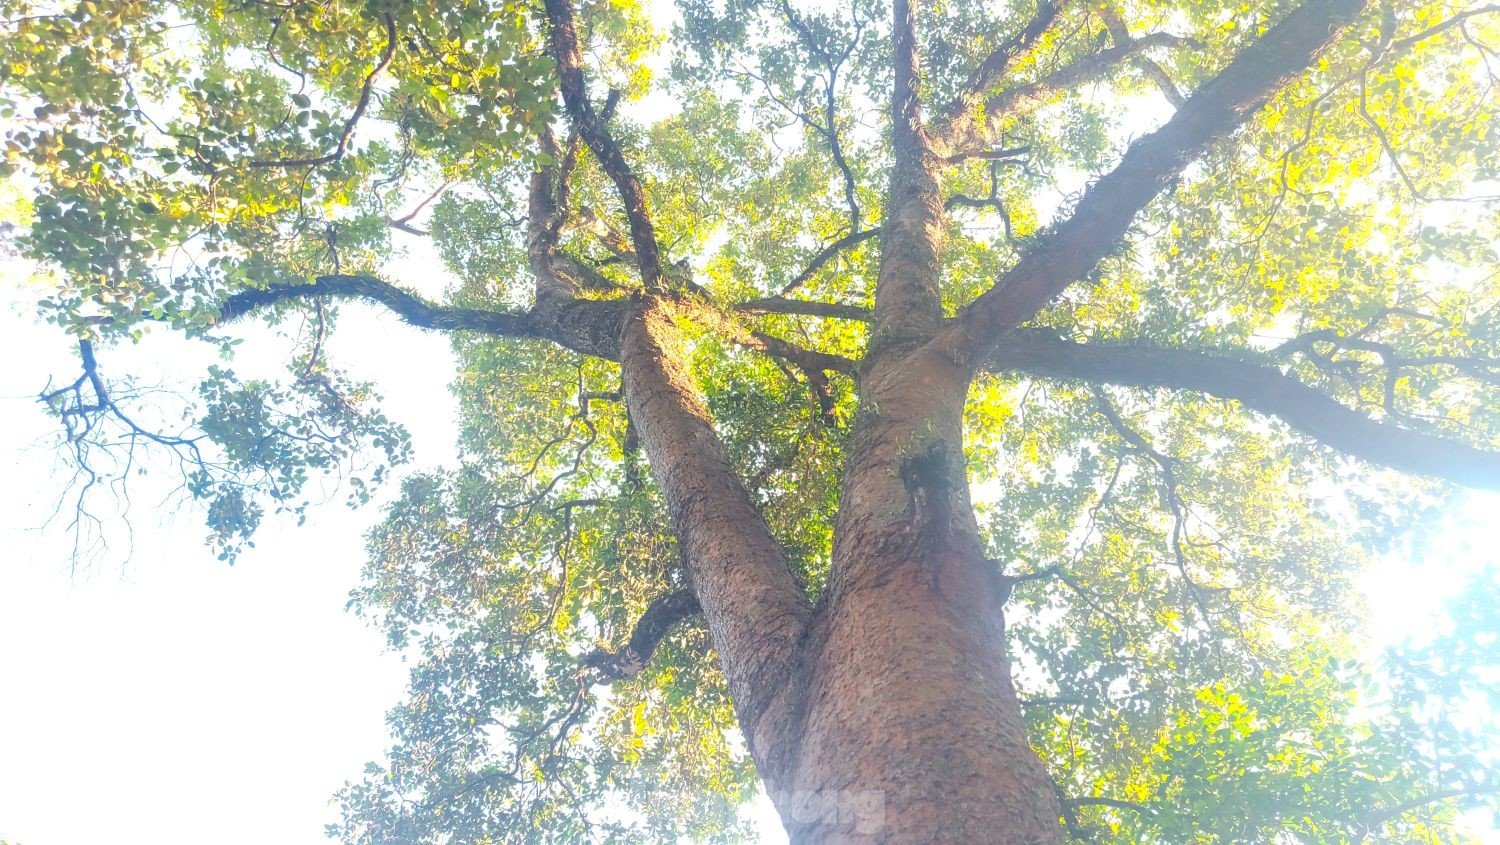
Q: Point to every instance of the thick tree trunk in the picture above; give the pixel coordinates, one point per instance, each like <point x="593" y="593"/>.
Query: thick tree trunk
<point x="907" y="725"/>
<point x="911" y="730"/>
<point x="886" y="715"/>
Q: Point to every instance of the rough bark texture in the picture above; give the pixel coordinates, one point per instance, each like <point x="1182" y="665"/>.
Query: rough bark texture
<point x="908" y="725"/>
<point x="912" y="728"/>
<point x="888" y="714"/>
<point x="755" y="609"/>
<point x="907" y="304"/>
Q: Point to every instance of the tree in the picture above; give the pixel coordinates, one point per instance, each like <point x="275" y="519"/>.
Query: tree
<point x="997" y="368"/>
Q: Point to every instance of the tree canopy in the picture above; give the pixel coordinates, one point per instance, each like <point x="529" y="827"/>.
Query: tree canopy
<point x="1234" y="325"/>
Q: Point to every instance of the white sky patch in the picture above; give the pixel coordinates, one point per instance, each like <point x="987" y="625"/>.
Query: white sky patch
<point x="173" y="699"/>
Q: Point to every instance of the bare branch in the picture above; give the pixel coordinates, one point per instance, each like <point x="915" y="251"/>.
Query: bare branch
<point x="827" y="254"/>
<point x="782" y="305"/>
<point x="833" y="62"/>
<point x="992" y="201"/>
<point x="1170" y="494"/>
<point x="404" y="224"/>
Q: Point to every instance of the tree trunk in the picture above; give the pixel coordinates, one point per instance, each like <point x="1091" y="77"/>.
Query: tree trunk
<point x="911" y="730"/>
<point x="887" y="713"/>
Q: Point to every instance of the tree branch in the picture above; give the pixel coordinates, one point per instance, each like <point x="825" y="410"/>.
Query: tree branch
<point x="410" y="307"/>
<point x="1171" y="496"/>
<point x="365" y="92"/>
<point x="976" y="127"/>
<point x="658" y="619"/>
<point x="1385" y="815"/>
<point x="757" y="612"/>
<point x="591" y="127"/>
<point x="992" y="69"/>
<point x="806" y="307"/>
<point x="829" y="128"/>
<point x="1076" y="245"/>
<point x="404" y="224"/>
<point x="826" y="254"/>
<point x="1119" y="33"/>
<point x="1260" y="388"/>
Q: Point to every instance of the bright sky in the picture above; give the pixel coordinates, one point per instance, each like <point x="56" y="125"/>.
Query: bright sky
<point x="168" y="698"/>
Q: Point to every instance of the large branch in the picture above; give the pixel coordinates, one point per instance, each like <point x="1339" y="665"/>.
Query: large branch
<point x="408" y="306"/>
<point x="908" y="307"/>
<point x="1217" y="108"/>
<point x="1261" y="388"/>
<point x="587" y="326"/>
<point x="756" y="611"/>
<point x="805" y="307"/>
<point x="659" y="618"/>
<point x="591" y="127"/>
<point x="583" y="325"/>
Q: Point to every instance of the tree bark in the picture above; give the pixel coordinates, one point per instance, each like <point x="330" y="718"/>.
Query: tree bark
<point x="757" y="613"/>
<point x="887" y="715"/>
<point x="911" y="730"/>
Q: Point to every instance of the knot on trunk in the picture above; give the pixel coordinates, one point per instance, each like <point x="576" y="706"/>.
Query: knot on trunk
<point x="929" y="478"/>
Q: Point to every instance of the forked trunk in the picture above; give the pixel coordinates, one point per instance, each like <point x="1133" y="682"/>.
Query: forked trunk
<point x="911" y="730"/>
<point x="887" y="713"/>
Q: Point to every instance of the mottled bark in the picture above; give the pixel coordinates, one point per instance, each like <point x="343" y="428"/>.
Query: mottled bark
<point x="757" y="613"/>
<point x="912" y="731"/>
